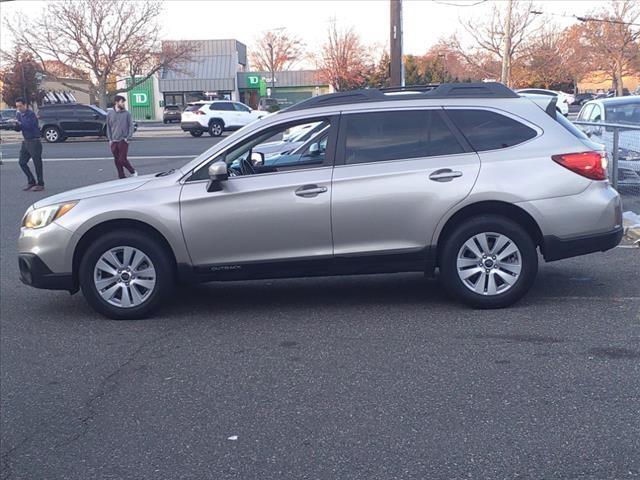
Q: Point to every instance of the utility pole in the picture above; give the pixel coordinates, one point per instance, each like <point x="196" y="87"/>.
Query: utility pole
<point x="505" y="77"/>
<point x="395" y="42"/>
<point x="24" y="84"/>
<point x="273" y="80"/>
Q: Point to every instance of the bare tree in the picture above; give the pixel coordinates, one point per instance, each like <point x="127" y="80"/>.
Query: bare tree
<point x="577" y="57"/>
<point x="19" y="77"/>
<point x="344" y="62"/>
<point x="489" y="37"/>
<point x="545" y="60"/>
<point x="614" y="40"/>
<point x="106" y="38"/>
<point x="275" y="51"/>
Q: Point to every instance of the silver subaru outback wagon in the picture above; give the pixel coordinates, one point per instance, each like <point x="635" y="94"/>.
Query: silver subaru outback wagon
<point x="469" y="179"/>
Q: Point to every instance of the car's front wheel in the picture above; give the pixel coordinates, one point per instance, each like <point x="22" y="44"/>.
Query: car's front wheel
<point x="52" y="134"/>
<point x="488" y="261"/>
<point x="125" y="275"/>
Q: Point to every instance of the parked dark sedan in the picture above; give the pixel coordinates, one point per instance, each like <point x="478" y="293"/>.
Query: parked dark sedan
<point x="172" y="113"/>
<point x="582" y="98"/>
<point x="8" y="119"/>
<point x="60" y="121"/>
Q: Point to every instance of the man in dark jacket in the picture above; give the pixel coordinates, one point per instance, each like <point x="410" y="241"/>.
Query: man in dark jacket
<point x="31" y="146"/>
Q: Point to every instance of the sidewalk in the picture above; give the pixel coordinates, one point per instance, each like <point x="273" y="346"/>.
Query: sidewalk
<point x="144" y="131"/>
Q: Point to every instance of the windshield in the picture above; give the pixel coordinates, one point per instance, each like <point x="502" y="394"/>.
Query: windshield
<point x="98" y="109"/>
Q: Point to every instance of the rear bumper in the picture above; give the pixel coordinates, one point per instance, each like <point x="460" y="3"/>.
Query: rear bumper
<point x="35" y="273"/>
<point x="558" y="248"/>
<point x="191" y="126"/>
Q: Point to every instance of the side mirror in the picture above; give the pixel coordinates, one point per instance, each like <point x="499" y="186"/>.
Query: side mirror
<point x="257" y="158"/>
<point x="314" y="150"/>
<point x="217" y="173"/>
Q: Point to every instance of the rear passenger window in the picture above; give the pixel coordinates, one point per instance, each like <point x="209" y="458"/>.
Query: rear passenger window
<point x="487" y="130"/>
<point x="380" y="136"/>
<point x="227" y="107"/>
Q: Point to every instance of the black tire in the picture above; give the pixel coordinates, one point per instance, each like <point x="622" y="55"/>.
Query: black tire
<point x="196" y="133"/>
<point x="52" y="134"/>
<point x="152" y="248"/>
<point x="165" y="121"/>
<point x="216" y="127"/>
<point x="452" y="246"/>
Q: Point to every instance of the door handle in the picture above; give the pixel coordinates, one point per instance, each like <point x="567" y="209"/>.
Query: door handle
<point x="444" y="175"/>
<point x="310" y="191"/>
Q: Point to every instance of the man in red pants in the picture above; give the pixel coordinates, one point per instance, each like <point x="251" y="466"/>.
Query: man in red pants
<point x="119" y="132"/>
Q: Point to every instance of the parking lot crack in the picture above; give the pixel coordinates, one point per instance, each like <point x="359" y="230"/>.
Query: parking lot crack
<point x="5" y="469"/>
<point x="108" y="385"/>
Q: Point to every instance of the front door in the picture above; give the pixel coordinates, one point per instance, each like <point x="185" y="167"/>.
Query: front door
<point x="243" y="114"/>
<point x="264" y="213"/>
<point x="397" y="173"/>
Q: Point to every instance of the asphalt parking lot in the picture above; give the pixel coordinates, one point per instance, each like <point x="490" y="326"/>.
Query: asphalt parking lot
<point x="372" y="377"/>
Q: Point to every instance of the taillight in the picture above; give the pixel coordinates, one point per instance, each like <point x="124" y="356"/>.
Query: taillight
<point x="591" y="165"/>
<point x="199" y="112"/>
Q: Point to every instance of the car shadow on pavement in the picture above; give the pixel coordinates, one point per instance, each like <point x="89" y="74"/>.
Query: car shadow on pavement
<point x="305" y="294"/>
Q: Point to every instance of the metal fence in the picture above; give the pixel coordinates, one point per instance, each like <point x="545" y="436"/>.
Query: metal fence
<point x="622" y="143"/>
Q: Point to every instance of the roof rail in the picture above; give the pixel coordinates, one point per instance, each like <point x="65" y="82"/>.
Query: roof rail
<point x="417" y="92"/>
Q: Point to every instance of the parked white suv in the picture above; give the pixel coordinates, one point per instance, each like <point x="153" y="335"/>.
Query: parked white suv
<point x="564" y="99"/>
<point x="217" y="116"/>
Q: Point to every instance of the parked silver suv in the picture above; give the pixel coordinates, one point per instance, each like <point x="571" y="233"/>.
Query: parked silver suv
<point x="468" y="178"/>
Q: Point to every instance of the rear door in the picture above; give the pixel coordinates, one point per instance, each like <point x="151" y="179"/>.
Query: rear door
<point x="87" y="120"/>
<point x="66" y="116"/>
<point x="225" y="111"/>
<point x="396" y="174"/>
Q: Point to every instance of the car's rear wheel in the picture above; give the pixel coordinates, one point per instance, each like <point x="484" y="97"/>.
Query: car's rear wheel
<point x="196" y="133"/>
<point x="125" y="275"/>
<point x="488" y="262"/>
<point x="52" y="134"/>
<point x="216" y="128"/>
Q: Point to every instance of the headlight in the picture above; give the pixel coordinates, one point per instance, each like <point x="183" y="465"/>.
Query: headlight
<point x="41" y="217"/>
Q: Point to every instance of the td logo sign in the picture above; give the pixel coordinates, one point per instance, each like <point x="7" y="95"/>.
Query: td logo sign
<point x="141" y="95"/>
<point x="140" y="99"/>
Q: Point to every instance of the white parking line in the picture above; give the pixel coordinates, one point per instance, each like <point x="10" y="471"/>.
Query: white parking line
<point x="83" y="159"/>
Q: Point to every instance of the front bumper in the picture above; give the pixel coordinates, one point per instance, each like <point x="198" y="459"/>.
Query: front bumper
<point x="558" y="248"/>
<point x="35" y="273"/>
<point x="190" y="126"/>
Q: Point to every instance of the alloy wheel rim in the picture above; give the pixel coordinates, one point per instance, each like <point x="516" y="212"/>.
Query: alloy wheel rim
<point x="217" y="129"/>
<point x="124" y="277"/>
<point x="51" y="135"/>
<point x="489" y="263"/>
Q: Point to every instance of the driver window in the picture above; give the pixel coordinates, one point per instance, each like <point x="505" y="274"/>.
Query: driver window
<point x="241" y="108"/>
<point x="290" y="146"/>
